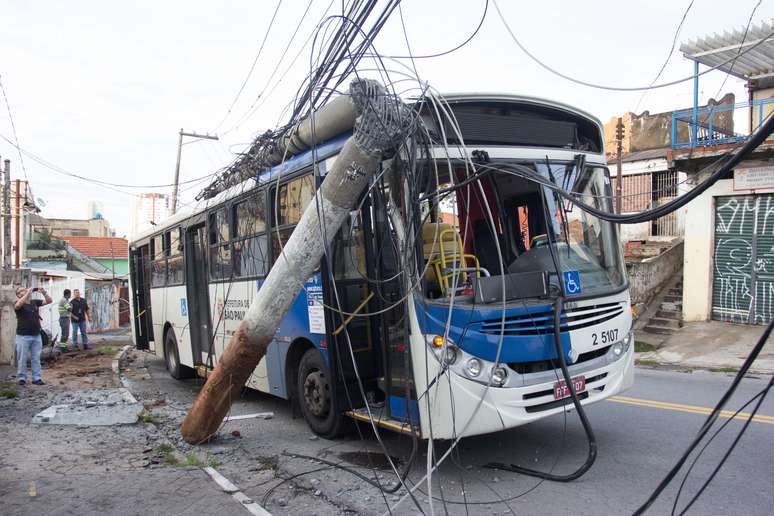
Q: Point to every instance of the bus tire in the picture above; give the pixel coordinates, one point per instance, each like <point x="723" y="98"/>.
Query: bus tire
<point x="172" y="358"/>
<point x="315" y="396"/>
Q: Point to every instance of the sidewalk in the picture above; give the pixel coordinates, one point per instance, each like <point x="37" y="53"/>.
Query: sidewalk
<point x="94" y="470"/>
<point x="711" y="345"/>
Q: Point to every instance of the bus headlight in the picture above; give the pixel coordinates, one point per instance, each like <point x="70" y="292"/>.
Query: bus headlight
<point x="473" y="367"/>
<point x="450" y="355"/>
<point x="627" y="340"/>
<point x="499" y="375"/>
<point x="618" y="349"/>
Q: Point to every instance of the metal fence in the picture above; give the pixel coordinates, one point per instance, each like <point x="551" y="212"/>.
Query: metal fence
<point x="641" y="192"/>
<point x="714" y="125"/>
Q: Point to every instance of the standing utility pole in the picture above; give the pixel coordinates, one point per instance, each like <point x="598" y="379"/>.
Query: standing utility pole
<point x="17" y="250"/>
<point x="177" y="167"/>
<point x="381" y="122"/>
<point x="619" y="134"/>
<point x="7" y="215"/>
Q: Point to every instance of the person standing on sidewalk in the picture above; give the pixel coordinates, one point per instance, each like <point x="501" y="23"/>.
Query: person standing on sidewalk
<point x="28" y="341"/>
<point x="80" y="315"/>
<point x="65" y="314"/>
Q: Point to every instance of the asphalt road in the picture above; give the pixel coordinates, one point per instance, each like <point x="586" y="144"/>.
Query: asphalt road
<point x="639" y="436"/>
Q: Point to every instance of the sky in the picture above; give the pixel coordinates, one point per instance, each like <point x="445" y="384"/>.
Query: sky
<point x="101" y="89"/>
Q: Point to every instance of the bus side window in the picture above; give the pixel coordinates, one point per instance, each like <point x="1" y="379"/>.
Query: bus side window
<point x="159" y="263"/>
<point x="250" y="241"/>
<point x="220" y="251"/>
<point x="175" y="264"/>
<point x="292" y="198"/>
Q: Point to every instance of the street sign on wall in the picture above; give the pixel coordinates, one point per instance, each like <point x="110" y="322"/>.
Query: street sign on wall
<point x="755" y="178"/>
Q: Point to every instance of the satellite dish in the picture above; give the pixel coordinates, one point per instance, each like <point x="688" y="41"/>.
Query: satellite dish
<point x="40" y="202"/>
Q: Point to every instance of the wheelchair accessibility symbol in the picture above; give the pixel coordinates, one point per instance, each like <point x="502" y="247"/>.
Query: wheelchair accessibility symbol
<point x="572" y="283"/>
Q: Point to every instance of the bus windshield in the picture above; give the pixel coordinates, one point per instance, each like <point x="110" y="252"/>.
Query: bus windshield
<point x="532" y="228"/>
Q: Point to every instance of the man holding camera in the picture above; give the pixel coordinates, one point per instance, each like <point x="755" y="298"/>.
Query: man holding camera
<point x="28" y="341"/>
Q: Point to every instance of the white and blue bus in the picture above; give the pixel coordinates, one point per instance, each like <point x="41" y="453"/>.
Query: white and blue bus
<point x="464" y="345"/>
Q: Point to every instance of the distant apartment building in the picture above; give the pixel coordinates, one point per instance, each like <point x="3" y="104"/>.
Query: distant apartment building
<point x="95" y="209"/>
<point x="148" y="209"/>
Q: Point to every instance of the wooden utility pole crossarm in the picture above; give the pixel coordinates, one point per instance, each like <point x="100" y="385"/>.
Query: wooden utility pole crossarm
<point x="381" y="123"/>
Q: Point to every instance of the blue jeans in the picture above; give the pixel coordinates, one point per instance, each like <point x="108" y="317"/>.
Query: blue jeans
<point x="82" y="327"/>
<point x="28" y="347"/>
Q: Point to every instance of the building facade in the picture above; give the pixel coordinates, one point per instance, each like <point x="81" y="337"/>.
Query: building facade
<point x="728" y="267"/>
<point x="112" y="253"/>
<point x="95" y="227"/>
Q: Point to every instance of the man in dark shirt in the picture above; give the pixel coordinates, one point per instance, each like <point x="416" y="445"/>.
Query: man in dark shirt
<point x="80" y="314"/>
<point x="28" y="341"/>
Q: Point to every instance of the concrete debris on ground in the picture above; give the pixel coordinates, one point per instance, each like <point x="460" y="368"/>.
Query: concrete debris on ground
<point x="92" y="408"/>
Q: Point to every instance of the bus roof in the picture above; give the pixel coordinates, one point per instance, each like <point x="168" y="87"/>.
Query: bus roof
<point x="332" y="146"/>
<point x="454" y="98"/>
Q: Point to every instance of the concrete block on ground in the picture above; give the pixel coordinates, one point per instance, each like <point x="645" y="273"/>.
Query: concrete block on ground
<point x="92" y="408"/>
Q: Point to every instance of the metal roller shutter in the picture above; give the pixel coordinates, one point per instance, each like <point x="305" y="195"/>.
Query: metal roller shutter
<point x="743" y="279"/>
<point x="763" y="265"/>
<point x="734" y="235"/>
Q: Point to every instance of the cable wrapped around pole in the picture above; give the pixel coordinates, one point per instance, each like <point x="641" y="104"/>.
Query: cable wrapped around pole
<point x="274" y="147"/>
<point x="382" y="122"/>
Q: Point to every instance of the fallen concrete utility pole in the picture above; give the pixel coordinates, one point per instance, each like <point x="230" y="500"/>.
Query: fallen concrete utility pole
<point x="382" y="122"/>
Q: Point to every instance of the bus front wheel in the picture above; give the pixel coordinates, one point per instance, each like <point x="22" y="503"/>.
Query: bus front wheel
<point x="315" y="396"/>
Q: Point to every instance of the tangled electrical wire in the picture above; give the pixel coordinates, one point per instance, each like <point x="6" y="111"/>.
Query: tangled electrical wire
<point x="412" y="173"/>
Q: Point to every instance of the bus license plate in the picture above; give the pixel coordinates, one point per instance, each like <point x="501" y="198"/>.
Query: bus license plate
<point x="562" y="391"/>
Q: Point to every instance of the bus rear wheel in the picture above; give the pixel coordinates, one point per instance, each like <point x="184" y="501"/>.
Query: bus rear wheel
<point x="315" y="396"/>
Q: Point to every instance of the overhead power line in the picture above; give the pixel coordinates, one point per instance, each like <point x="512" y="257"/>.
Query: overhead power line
<point x="453" y="49"/>
<point x="262" y="95"/>
<point x="56" y="168"/>
<point x="671" y="51"/>
<point x="252" y="66"/>
<point x="744" y="38"/>
<point x="13" y="127"/>
<point x="621" y="88"/>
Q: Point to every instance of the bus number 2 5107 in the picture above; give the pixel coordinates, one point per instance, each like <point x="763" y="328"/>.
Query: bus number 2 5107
<point x="605" y="337"/>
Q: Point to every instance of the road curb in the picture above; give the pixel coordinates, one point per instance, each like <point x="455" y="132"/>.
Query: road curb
<point x="116" y="364"/>
<point x="228" y="487"/>
<point x="654" y="363"/>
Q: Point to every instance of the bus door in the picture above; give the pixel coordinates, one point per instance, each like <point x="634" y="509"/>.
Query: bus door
<point x="391" y="323"/>
<point x="351" y="270"/>
<point x="365" y="269"/>
<point x="197" y="292"/>
<point x="143" y="324"/>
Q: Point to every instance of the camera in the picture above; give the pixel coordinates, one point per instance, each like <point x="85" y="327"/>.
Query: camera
<point x="34" y="289"/>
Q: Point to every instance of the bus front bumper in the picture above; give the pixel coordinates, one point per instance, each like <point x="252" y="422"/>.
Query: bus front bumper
<point x="479" y="409"/>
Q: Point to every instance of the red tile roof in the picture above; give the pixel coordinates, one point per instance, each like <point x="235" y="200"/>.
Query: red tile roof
<point x="99" y="247"/>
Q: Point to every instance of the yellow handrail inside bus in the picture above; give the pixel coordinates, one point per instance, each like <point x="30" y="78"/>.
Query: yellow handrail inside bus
<point x="354" y="313"/>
